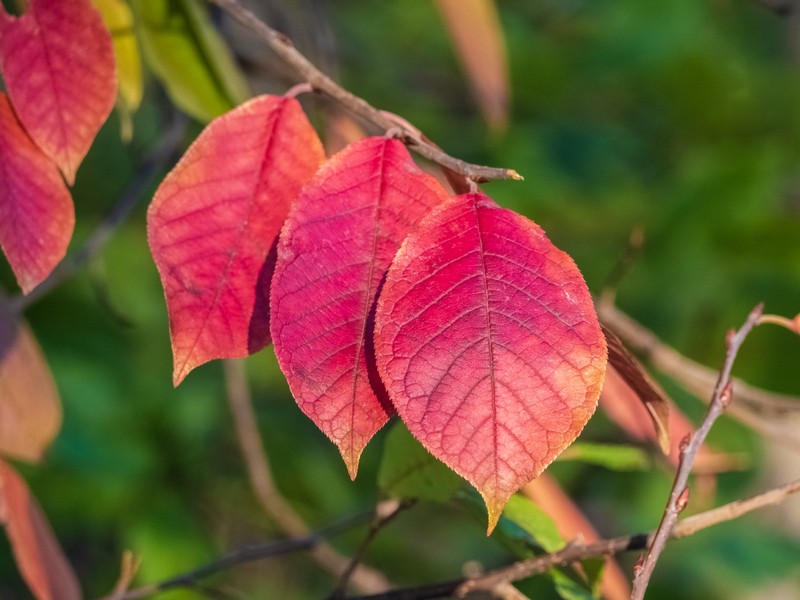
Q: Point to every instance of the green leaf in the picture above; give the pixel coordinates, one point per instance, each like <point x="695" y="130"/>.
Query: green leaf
<point x="409" y="471"/>
<point x="572" y="588"/>
<point x="190" y="58"/>
<point x="611" y="456"/>
<point x="524" y="521"/>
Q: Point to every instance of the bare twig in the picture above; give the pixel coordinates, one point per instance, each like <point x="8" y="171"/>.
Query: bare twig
<point x="130" y="564"/>
<point x="363" y="578"/>
<point x="679" y="496"/>
<point x="156" y="159"/>
<point x="242" y="555"/>
<point x="775" y="415"/>
<point x="306" y="71"/>
<point x="385" y="512"/>
<point x="576" y="552"/>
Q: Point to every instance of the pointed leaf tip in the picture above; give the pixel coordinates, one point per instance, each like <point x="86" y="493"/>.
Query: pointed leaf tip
<point x="488" y="344"/>
<point x="36" y="212"/>
<point x="68" y="48"/>
<point x="214" y="222"/>
<point x="338" y="241"/>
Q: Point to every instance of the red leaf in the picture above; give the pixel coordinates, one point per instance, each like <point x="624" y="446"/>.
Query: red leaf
<point x="36" y="550"/>
<point x="334" y="250"/>
<point x="488" y="344"/>
<point x="58" y="65"/>
<point x="36" y="212"/>
<point x="30" y="410"/>
<point x="214" y="222"/>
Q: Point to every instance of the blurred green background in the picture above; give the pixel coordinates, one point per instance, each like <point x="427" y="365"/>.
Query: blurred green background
<point x="679" y="118"/>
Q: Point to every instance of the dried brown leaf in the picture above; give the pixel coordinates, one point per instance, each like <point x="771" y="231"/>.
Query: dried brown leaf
<point x="650" y="394"/>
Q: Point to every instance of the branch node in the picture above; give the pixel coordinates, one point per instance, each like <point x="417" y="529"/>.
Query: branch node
<point x="727" y="395"/>
<point x="682" y="501"/>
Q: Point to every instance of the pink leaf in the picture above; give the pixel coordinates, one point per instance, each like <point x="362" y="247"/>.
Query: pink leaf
<point x="489" y="346"/>
<point x="334" y="250"/>
<point x="30" y="409"/>
<point x="36" y="550"/>
<point x="36" y="212"/>
<point x="58" y="65"/>
<point x="214" y="222"/>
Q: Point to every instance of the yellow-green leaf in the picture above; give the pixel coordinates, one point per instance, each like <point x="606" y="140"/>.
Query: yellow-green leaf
<point x="118" y="18"/>
<point x="187" y="54"/>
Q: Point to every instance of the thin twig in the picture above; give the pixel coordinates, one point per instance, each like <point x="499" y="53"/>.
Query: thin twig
<point x="306" y="71"/>
<point x="363" y="578"/>
<point x="164" y="152"/>
<point x="245" y="554"/>
<point x="679" y="496"/>
<point x="576" y="552"/>
<point x="775" y="415"/>
<point x="385" y="512"/>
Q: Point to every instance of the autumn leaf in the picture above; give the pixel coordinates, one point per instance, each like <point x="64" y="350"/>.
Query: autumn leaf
<point x="477" y="36"/>
<point x="30" y="409"/>
<point x="58" y="66"/>
<point x="36" y="211"/>
<point x="214" y="222"/>
<point x="489" y="346"/>
<point x="338" y="241"/>
<point x="36" y="550"/>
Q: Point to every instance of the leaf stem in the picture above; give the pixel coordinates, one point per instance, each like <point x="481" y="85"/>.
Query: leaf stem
<point x="282" y="46"/>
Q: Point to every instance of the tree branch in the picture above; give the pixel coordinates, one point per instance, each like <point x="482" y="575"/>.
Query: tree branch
<point x="579" y="551"/>
<point x="242" y="555"/>
<point x="385" y="512"/>
<point x="282" y="46"/>
<point x="775" y="415"/>
<point x="679" y="496"/>
<point x="363" y="578"/>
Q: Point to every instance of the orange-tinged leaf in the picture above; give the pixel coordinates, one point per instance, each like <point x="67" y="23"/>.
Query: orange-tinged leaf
<point x="571" y="523"/>
<point x="36" y="211"/>
<point x="338" y="241"/>
<point x="214" y="222"/>
<point x="487" y="341"/>
<point x="39" y="557"/>
<point x="30" y="409"/>
<point x="477" y="35"/>
<point x="58" y="66"/>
